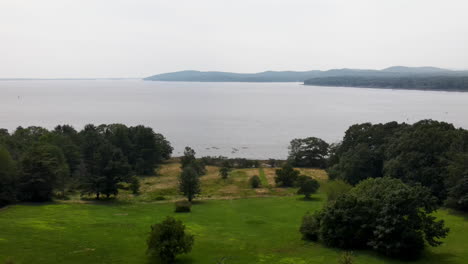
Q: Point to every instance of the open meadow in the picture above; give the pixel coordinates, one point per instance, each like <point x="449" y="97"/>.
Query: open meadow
<point x="232" y="223"/>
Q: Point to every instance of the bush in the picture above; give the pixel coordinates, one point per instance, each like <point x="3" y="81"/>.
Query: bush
<point x="168" y="239"/>
<point x="159" y="198"/>
<point x="286" y="176"/>
<point x="255" y="181"/>
<point x="310" y="226"/>
<point x="346" y="258"/>
<point x="9" y="261"/>
<point x="308" y="186"/>
<point x="382" y="214"/>
<point x="336" y="188"/>
<point x="182" y="206"/>
<point x="224" y="172"/>
<point x="135" y="185"/>
<point x="458" y="195"/>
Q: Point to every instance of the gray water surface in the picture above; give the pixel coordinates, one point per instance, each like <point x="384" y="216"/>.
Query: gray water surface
<point x="257" y="119"/>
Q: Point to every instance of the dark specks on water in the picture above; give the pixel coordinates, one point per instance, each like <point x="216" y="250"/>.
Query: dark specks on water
<point x="251" y="120"/>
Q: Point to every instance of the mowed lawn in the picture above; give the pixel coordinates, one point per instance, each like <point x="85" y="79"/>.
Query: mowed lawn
<point x="249" y="230"/>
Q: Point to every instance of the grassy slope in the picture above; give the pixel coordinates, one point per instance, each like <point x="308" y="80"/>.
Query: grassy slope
<point x="249" y="230"/>
<point x="255" y="230"/>
<point x="213" y="187"/>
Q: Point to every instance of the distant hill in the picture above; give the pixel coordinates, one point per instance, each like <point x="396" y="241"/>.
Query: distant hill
<point x="416" y="70"/>
<point x="215" y="76"/>
<point x="296" y="76"/>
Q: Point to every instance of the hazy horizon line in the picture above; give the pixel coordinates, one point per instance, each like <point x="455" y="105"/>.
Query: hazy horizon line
<point x="142" y="77"/>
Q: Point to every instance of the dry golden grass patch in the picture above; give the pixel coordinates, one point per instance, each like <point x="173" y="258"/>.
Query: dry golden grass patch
<point x="262" y="191"/>
<point x="170" y="169"/>
<point x="318" y="174"/>
<point x="237" y="185"/>
<point x="212" y="172"/>
<point x="270" y="174"/>
<point x="251" y="172"/>
<point x="166" y="178"/>
<point x="229" y="190"/>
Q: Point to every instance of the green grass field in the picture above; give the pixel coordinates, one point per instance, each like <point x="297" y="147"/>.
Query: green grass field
<point x="244" y="231"/>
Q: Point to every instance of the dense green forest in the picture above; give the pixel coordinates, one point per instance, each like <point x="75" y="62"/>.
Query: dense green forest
<point x="428" y="153"/>
<point x="37" y="164"/>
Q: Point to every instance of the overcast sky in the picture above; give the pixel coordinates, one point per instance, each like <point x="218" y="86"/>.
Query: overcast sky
<point x="137" y="38"/>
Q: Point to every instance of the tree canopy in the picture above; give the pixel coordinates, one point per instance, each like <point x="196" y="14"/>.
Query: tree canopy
<point x="382" y="214"/>
<point x="36" y="162"/>
<point x="308" y="152"/>
<point x="429" y="153"/>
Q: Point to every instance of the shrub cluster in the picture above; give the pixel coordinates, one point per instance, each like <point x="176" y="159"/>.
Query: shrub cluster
<point x="183" y="206"/>
<point x="382" y="214"/>
<point x="222" y="161"/>
<point x="169" y="239"/>
<point x="255" y="181"/>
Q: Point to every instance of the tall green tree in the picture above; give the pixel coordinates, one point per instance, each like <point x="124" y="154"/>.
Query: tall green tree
<point x="110" y="168"/>
<point x="42" y="165"/>
<point x="189" y="182"/>
<point x="189" y="160"/>
<point x="148" y="149"/>
<point x="8" y="177"/>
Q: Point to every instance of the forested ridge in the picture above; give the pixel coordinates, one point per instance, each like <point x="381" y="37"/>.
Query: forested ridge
<point x="424" y="82"/>
<point x="396" y="77"/>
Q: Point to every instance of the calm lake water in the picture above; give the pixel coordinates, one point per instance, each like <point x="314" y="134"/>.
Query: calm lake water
<point x="252" y="120"/>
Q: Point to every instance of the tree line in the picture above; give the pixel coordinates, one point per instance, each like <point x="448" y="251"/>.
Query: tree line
<point x="429" y="153"/>
<point x="386" y="180"/>
<point x="445" y="83"/>
<point x="36" y="163"/>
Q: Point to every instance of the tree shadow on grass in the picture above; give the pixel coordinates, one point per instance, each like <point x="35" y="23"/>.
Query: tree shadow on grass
<point x="182" y="259"/>
<point x="105" y="201"/>
<point x="458" y="213"/>
<point x="199" y="202"/>
<point x="427" y="257"/>
<point x="310" y="199"/>
<point x="439" y="258"/>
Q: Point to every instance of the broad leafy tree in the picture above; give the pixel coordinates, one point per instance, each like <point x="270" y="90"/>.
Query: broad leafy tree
<point x="286" y="176"/>
<point x="308" y="152"/>
<point x="382" y="214"/>
<point x="308" y="186"/>
<point x="42" y="165"/>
